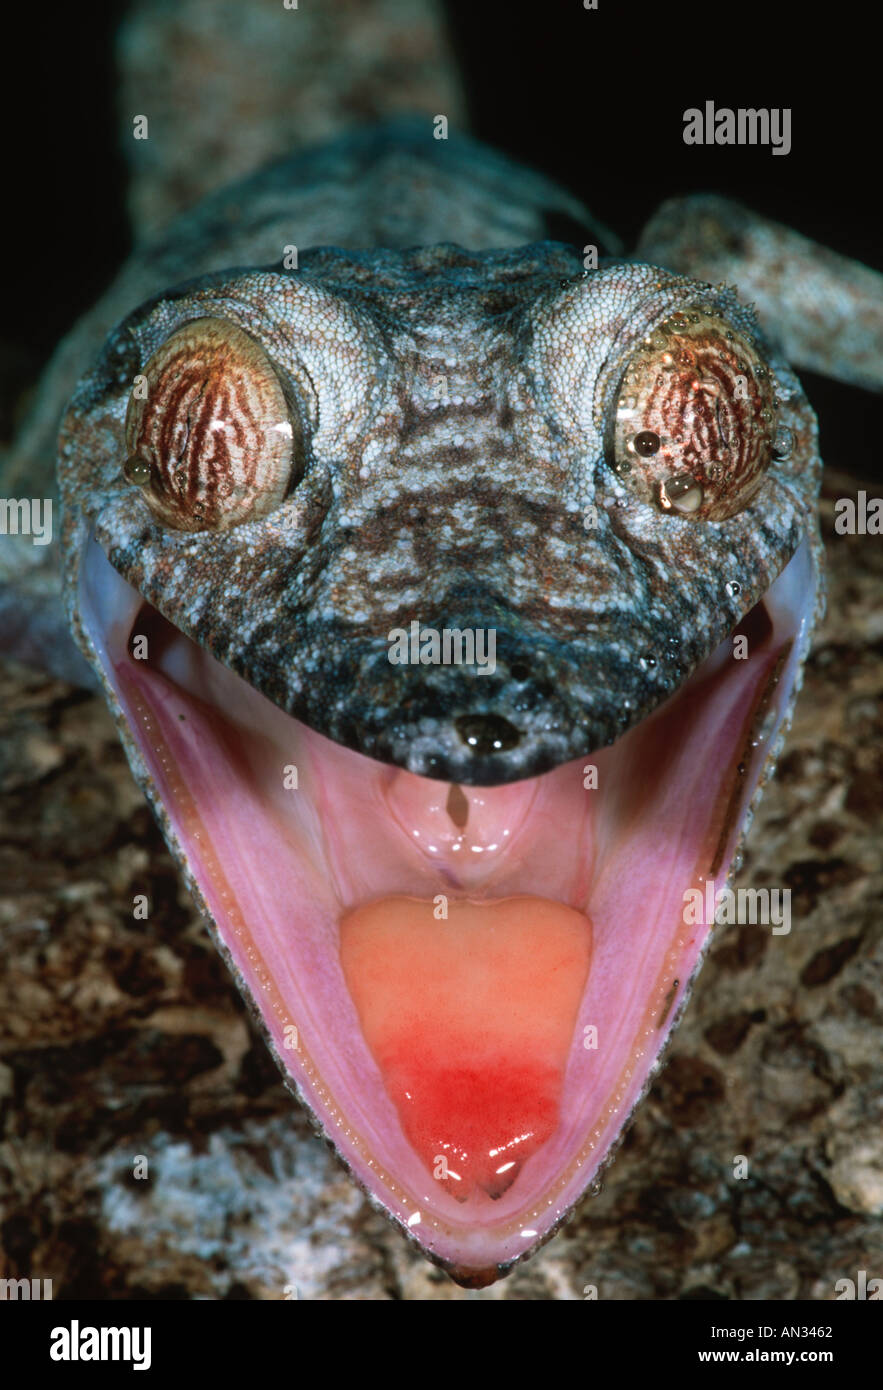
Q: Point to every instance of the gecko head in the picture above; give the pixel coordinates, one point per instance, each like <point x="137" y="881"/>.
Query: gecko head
<point x="454" y="603"/>
<point x="472" y="515"/>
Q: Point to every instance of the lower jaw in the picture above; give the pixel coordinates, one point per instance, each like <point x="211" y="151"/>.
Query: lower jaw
<point x="296" y="879"/>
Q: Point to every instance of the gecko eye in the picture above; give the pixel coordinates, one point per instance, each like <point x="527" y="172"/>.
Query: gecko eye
<point x="215" y="438"/>
<point x="694" y="422"/>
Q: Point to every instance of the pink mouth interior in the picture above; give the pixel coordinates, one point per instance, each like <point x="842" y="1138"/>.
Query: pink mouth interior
<point x="468" y="986"/>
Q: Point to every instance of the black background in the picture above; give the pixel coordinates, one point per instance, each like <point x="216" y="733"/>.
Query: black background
<point x="594" y="98"/>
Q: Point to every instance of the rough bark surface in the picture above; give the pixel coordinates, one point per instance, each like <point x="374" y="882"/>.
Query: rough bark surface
<point x="124" y="1038"/>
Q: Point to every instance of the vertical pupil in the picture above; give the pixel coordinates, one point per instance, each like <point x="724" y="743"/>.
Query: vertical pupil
<point x="646" y="443"/>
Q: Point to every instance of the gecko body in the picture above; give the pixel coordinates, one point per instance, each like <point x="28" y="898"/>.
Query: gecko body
<point x="439" y="416"/>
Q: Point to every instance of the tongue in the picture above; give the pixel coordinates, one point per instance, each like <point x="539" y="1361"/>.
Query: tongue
<point x="470" y="1019"/>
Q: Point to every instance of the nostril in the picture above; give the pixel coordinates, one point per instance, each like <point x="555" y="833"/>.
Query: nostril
<point x="519" y="671"/>
<point x="487" y="733"/>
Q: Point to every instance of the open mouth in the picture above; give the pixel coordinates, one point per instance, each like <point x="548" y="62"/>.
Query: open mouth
<point x="469" y="987"/>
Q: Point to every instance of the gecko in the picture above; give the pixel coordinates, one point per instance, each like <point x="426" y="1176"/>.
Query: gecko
<point x="455" y="904"/>
<point x="453" y="421"/>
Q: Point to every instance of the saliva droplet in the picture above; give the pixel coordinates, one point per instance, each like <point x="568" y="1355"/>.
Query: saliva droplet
<point x="783" y="443"/>
<point x="681" y="494"/>
<point x="765" y="729"/>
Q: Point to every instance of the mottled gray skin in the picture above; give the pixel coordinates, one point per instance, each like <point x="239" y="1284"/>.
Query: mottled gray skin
<point x="457" y="407"/>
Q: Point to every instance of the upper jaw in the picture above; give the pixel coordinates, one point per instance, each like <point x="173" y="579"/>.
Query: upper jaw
<point x="615" y="630"/>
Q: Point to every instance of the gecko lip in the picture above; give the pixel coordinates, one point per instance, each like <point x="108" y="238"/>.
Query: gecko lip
<point x="304" y="854"/>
